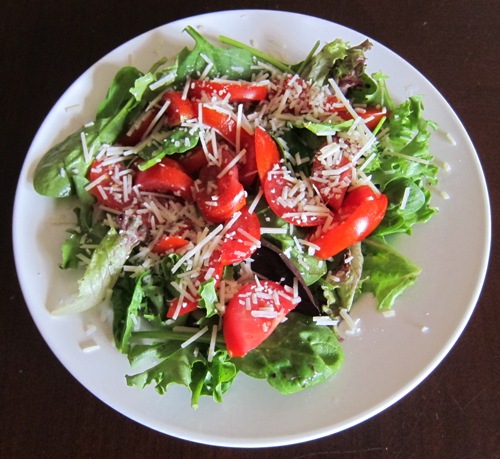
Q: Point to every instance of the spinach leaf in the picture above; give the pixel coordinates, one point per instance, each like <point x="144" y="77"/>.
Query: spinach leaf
<point x="297" y="355"/>
<point x="56" y="171"/>
<point x="233" y="63"/>
<point x="165" y="143"/>
<point x="386" y="273"/>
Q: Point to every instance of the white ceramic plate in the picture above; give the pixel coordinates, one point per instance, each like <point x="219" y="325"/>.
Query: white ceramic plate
<point x="383" y="363"/>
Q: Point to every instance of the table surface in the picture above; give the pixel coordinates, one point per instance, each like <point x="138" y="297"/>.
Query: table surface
<point x="45" y="412"/>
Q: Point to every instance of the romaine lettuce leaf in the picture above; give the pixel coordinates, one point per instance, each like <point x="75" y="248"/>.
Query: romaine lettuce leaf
<point x="102" y="271"/>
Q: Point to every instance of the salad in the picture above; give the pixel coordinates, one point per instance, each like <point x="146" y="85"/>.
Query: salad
<point x="230" y="208"/>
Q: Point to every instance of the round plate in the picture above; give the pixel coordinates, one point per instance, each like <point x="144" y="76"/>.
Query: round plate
<point x="390" y="355"/>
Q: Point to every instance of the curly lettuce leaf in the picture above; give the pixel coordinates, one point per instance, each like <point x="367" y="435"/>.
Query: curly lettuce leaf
<point x="185" y="367"/>
<point x="404" y="168"/>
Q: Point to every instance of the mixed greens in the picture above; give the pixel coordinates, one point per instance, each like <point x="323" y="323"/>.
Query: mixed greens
<point x="212" y="217"/>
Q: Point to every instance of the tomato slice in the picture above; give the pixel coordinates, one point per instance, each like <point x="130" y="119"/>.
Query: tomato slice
<point x="241" y="239"/>
<point x="227" y="127"/>
<point x="371" y="115"/>
<point x="361" y="212"/>
<point x="188" y="305"/>
<point x="179" y="109"/>
<point x="192" y="161"/>
<point x="294" y="199"/>
<point x="253" y="313"/>
<point x="238" y="91"/>
<point x="138" y="129"/>
<point x="109" y="190"/>
<point x="267" y="154"/>
<point x="219" y="196"/>
<point x="332" y="180"/>
<point x="166" y="177"/>
<point x="166" y="243"/>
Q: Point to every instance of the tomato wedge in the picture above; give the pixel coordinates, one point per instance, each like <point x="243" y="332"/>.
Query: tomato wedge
<point x="238" y="91"/>
<point x="166" y="177"/>
<point x="220" y="194"/>
<point x="294" y="199"/>
<point x="371" y="115"/>
<point x="267" y="154"/>
<point x="331" y="181"/>
<point x="188" y="305"/>
<point x="253" y="313"/>
<point x="192" y="161"/>
<point x="166" y="243"/>
<point x="228" y="128"/>
<point x="242" y="238"/>
<point x="361" y="212"/>
<point x="179" y="108"/>
<point x="138" y="129"/>
<point x="109" y="190"/>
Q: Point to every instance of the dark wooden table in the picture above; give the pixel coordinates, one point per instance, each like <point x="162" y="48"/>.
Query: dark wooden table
<point x="44" y="412"/>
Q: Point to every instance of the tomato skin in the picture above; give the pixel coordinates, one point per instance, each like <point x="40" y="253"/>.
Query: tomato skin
<point x="218" y="198"/>
<point x="114" y="192"/>
<point x="227" y="127"/>
<point x="332" y="198"/>
<point x="274" y="188"/>
<point x="242" y="330"/>
<point x="166" y="177"/>
<point x="238" y="91"/>
<point x="235" y="246"/>
<point x="179" y="109"/>
<point x="134" y="136"/>
<point x="267" y="154"/>
<point x="371" y="115"/>
<point x="361" y="212"/>
<point x="187" y="306"/>
<point x="192" y="161"/>
<point x="167" y="243"/>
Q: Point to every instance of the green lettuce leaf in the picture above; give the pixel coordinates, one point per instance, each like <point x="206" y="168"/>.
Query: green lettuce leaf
<point x="386" y="272"/>
<point x="298" y="354"/>
<point x="184" y="367"/>
<point x="102" y="271"/>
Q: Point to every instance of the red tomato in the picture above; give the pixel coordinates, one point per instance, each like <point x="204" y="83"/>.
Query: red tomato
<point x="371" y="115"/>
<point x="192" y="161"/>
<point x="218" y="198"/>
<point x="109" y="190"/>
<point x="227" y="127"/>
<point x="238" y="91"/>
<point x="236" y="246"/>
<point x="361" y="212"/>
<point x="332" y="188"/>
<point x="179" y="109"/>
<point x="166" y="177"/>
<point x="187" y="306"/>
<point x="253" y="314"/>
<point x="266" y="153"/>
<point x="289" y="198"/>
<point x="135" y="133"/>
<point x="168" y="242"/>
